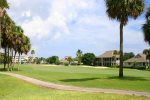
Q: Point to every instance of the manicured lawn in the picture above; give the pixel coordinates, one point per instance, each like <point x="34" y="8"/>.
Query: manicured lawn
<point x="15" y="89"/>
<point x="138" y="80"/>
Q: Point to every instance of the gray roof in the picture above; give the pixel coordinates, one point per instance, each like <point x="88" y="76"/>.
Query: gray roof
<point x="108" y="54"/>
<point x="138" y="58"/>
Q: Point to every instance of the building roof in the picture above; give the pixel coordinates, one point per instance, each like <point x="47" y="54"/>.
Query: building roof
<point x="138" y="58"/>
<point x="108" y="54"/>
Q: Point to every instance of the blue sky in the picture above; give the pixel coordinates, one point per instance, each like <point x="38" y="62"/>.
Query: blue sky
<point x="61" y="27"/>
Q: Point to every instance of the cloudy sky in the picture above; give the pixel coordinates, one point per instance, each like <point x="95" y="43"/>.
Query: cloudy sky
<point x="61" y="27"/>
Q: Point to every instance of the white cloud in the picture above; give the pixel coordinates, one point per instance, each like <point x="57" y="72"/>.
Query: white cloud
<point x="26" y="14"/>
<point x="61" y="13"/>
<point x="81" y="22"/>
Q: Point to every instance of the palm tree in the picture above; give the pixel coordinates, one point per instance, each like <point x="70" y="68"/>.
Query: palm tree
<point x="121" y="10"/>
<point x="79" y="56"/>
<point x="3" y="5"/>
<point x="148" y="58"/>
<point x="32" y="53"/>
<point x="146" y="27"/>
<point x="6" y="27"/>
<point x="69" y="59"/>
<point x="115" y="53"/>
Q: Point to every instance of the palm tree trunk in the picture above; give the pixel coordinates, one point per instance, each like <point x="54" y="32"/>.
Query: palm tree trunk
<point x="18" y="61"/>
<point x="5" y="58"/>
<point x="121" y="51"/>
<point x="0" y="38"/>
<point x="8" y="58"/>
<point x="11" y="65"/>
<point x="14" y="59"/>
<point x="149" y="64"/>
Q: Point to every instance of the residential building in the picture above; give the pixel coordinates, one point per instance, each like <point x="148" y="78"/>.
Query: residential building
<point x="109" y="58"/>
<point x="23" y="59"/>
<point x="138" y="61"/>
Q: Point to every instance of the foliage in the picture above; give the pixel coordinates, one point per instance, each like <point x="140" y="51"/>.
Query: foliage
<point x="32" y="52"/>
<point x="4" y="4"/>
<point x="53" y="60"/>
<point x="1" y="58"/>
<point x="88" y="59"/>
<point x="37" y="60"/>
<point x="146" y="27"/>
<point x="40" y="60"/>
<point x="79" y="56"/>
<point x="127" y="56"/>
<point x="146" y="51"/>
<point x="13" y="41"/>
<point x="70" y="60"/>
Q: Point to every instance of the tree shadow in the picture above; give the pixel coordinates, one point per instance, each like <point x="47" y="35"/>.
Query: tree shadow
<point x="78" y="80"/>
<point x="129" y="78"/>
<point x="2" y="70"/>
<point x="5" y="70"/>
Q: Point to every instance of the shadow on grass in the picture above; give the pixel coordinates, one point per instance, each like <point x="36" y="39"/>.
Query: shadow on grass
<point x="79" y="80"/>
<point x="4" y="70"/>
<point x="129" y="78"/>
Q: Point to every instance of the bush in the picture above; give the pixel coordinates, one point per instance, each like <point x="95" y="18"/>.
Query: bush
<point x="88" y="59"/>
<point x="53" y="60"/>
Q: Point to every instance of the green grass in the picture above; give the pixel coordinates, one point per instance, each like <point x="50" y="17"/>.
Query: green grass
<point x="15" y="89"/>
<point x="137" y="80"/>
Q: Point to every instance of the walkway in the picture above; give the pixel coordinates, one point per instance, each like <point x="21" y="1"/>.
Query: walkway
<point x="74" y="88"/>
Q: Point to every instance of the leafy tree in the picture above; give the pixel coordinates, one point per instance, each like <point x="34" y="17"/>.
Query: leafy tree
<point x="13" y="41"/>
<point x="12" y="38"/>
<point x="146" y="27"/>
<point x="1" y="58"/>
<point x="148" y="58"/>
<point x="88" y="59"/>
<point x="32" y="53"/>
<point x="122" y="10"/>
<point x="127" y="56"/>
<point x="37" y="60"/>
<point x="53" y="60"/>
<point x="4" y="4"/>
<point x="70" y="59"/>
<point x="146" y="51"/>
<point x="115" y="53"/>
<point x="79" y="56"/>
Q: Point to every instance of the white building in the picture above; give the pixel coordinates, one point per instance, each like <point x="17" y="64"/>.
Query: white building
<point x="23" y="59"/>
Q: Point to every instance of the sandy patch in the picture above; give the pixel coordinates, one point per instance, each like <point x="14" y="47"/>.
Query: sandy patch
<point x="100" y="67"/>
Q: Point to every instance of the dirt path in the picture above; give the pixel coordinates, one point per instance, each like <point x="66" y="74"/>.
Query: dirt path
<point x="74" y="88"/>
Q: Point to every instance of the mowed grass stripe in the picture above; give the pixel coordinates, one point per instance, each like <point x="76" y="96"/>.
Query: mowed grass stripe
<point x="15" y="89"/>
<point x="136" y="80"/>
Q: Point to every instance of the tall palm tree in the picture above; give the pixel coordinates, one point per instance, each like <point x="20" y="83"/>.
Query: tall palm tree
<point x="6" y="27"/>
<point x="146" y="32"/>
<point x="3" y="5"/>
<point x="146" y="27"/>
<point x="148" y="58"/>
<point x="121" y="10"/>
<point x="32" y="53"/>
<point x="69" y="59"/>
<point x="115" y="53"/>
<point x="79" y="56"/>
